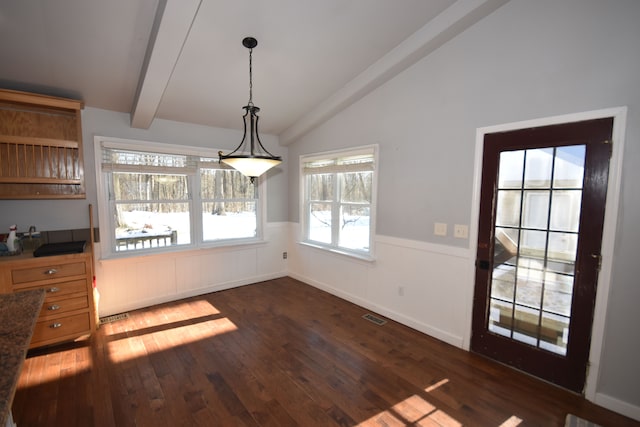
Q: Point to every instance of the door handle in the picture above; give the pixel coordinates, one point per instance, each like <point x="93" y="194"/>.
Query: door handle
<point x="483" y="264"/>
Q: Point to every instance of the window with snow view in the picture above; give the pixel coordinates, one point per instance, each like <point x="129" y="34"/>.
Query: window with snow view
<point x="338" y="196"/>
<point x="161" y="197"/>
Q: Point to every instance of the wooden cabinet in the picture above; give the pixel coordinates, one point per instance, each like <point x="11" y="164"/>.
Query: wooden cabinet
<point x="68" y="309"/>
<point x="40" y="147"/>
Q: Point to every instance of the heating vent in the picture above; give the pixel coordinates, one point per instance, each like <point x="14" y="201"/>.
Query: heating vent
<point x="374" y="319"/>
<point x="115" y="317"/>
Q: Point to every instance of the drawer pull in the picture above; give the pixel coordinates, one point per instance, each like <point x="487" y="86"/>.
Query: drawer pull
<point x="54" y="307"/>
<point x="51" y="271"/>
<point x="55" y="325"/>
<point x="53" y="289"/>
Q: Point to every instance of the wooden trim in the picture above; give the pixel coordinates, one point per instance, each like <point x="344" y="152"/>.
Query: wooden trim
<point x="568" y="371"/>
<point x="41" y="142"/>
<point x="40" y="100"/>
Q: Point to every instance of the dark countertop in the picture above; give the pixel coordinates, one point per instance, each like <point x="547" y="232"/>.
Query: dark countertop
<point x="18" y="315"/>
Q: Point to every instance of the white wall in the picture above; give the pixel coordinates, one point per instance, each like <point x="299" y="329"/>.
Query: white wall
<point x="397" y="284"/>
<point x="130" y="283"/>
<point x="528" y="60"/>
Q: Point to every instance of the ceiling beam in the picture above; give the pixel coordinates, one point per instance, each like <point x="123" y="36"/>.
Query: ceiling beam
<point x="448" y="24"/>
<point x="170" y="31"/>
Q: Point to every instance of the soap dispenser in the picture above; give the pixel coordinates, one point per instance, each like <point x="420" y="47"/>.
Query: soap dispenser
<point x="11" y="240"/>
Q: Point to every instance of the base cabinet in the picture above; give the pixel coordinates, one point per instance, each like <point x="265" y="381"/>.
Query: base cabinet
<point x="68" y="310"/>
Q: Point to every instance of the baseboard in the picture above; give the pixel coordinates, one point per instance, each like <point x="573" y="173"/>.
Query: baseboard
<point x="617" y="405"/>
<point x="398" y="317"/>
<point x="135" y="305"/>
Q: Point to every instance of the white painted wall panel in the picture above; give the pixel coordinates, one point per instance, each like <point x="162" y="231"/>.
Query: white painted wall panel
<point x="433" y="278"/>
<point x="130" y="283"/>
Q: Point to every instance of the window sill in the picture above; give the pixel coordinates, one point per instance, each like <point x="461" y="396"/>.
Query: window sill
<point x="179" y="250"/>
<point x="358" y="256"/>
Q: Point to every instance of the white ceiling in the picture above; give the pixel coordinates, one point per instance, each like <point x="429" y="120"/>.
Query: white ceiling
<point x="183" y="59"/>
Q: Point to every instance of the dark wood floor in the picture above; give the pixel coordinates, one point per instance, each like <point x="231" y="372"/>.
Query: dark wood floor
<point x="278" y="353"/>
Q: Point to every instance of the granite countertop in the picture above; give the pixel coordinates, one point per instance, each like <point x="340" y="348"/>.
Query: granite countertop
<point x="18" y="315"/>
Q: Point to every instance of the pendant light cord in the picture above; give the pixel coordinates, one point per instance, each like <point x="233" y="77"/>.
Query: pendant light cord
<point x="250" y="79"/>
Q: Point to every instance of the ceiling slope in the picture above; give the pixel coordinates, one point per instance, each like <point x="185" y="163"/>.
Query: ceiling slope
<point x="183" y="60"/>
<point x="453" y="21"/>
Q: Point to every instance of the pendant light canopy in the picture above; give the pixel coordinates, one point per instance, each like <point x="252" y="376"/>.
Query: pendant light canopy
<point x="256" y="160"/>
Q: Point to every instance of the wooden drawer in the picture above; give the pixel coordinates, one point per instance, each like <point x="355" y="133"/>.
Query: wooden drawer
<point x="57" y="289"/>
<point x="57" y="306"/>
<point x="59" y="329"/>
<point x="68" y="310"/>
<point x="48" y="272"/>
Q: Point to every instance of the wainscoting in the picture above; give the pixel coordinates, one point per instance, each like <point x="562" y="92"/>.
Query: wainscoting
<point x="422" y="285"/>
<point x="131" y="283"/>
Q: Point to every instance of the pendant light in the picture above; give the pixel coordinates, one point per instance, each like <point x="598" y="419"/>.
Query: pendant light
<point x="257" y="160"/>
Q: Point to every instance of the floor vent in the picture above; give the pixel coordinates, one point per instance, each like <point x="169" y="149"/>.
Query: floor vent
<point x="115" y="317"/>
<point x="374" y="319"/>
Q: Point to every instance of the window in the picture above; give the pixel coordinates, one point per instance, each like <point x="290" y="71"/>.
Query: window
<point x="161" y="197"/>
<point x="229" y="204"/>
<point x="339" y="200"/>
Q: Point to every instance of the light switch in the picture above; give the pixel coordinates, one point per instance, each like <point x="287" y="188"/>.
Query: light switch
<point x="461" y="231"/>
<point x="440" y="229"/>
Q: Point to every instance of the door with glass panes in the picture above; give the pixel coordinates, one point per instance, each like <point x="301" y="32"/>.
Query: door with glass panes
<point x="542" y="204"/>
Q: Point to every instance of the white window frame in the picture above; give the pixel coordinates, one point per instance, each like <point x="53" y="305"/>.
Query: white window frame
<point x="305" y="203"/>
<point x="106" y="220"/>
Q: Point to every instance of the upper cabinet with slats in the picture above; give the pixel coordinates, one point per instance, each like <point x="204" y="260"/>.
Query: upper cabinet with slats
<point x="40" y="147"/>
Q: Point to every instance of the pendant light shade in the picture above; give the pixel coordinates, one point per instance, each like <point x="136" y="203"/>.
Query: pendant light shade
<point x="252" y="166"/>
<point x="250" y="157"/>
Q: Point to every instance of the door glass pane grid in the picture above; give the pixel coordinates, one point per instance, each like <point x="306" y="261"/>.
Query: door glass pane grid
<point x="536" y="233"/>
<point x="554" y="333"/>
<point x="526" y="325"/>
<point x="538" y="168"/>
<point x="501" y="317"/>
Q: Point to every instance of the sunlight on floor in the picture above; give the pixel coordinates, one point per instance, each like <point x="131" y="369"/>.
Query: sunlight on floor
<point x="81" y="356"/>
<point x="128" y="348"/>
<point x="436" y="385"/>
<point x="416" y="411"/>
<point x="413" y="408"/>
<point x="512" y="422"/>
<point x="435" y="418"/>
<point x="179" y="311"/>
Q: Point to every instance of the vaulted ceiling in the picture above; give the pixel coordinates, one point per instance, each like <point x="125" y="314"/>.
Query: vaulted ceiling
<point x="183" y="60"/>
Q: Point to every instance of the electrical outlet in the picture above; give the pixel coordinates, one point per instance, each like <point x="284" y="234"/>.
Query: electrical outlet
<point x="401" y="291"/>
<point x="440" y="229"/>
<point x="460" y="231"/>
<point x="284" y="255"/>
